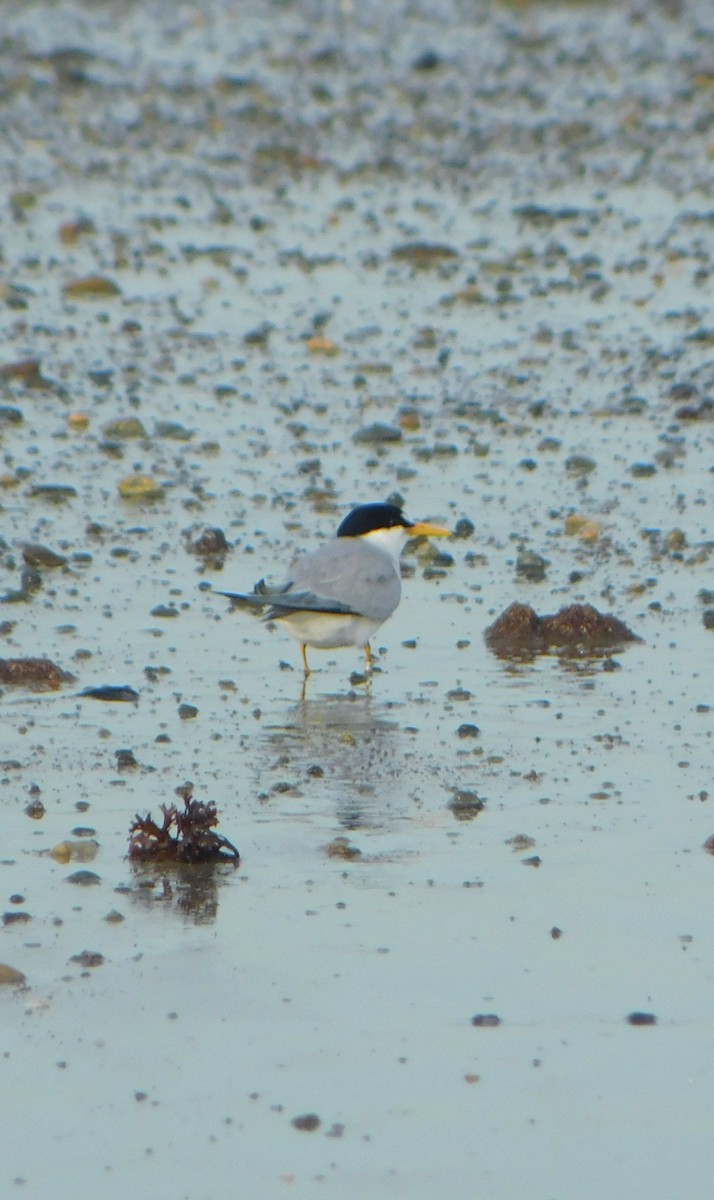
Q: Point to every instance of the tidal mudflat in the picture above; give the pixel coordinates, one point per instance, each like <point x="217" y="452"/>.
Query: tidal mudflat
<point x="259" y="267"/>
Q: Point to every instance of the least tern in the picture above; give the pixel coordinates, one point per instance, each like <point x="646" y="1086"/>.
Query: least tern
<point x="340" y="594"/>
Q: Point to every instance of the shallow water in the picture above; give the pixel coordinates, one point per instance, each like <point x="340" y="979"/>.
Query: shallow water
<point x="250" y="182"/>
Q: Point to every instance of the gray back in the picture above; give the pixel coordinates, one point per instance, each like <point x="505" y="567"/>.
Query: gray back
<point x="360" y="576"/>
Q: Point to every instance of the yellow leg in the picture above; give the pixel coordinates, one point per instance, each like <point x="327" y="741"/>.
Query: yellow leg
<point x="368" y="656"/>
<point x="303" y="651"/>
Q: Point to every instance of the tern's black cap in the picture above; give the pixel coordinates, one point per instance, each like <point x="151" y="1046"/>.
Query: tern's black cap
<point x="368" y="518"/>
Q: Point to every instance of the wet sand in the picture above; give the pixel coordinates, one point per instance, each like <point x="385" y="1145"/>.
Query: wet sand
<point x="258" y="268"/>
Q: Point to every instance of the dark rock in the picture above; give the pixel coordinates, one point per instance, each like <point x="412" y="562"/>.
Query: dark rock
<point x="531" y="566"/>
<point x="423" y="255"/>
<point x="308" y="1122"/>
<point x="428" y="60"/>
<point x="641" y="1018"/>
<point x="36" y="555"/>
<point x="88" y="958"/>
<point x="465" y="805"/>
<point x="377" y="433"/>
<point x="209" y="544"/>
<point x="112" y="693"/>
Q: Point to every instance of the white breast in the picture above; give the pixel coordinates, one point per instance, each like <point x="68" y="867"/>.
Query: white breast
<point x="327" y="631"/>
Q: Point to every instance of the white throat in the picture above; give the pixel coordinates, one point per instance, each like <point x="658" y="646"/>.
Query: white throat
<point x="392" y="540"/>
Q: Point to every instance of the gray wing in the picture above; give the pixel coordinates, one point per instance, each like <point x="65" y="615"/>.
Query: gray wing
<point x="261" y="597"/>
<point x="280" y="601"/>
<point x="350" y="572"/>
<point x="345" y="575"/>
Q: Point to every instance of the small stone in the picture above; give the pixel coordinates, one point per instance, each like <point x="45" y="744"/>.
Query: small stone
<point x="308" y="1122"/>
<point x="81" y="850"/>
<point x="111" y="693"/>
<point x="90" y="287"/>
<point x="520" y="842"/>
<point x="27" y="371"/>
<point x="466" y="805"/>
<point x="84" y="878"/>
<point x="88" y="958"/>
<point x="259" y="336"/>
<point x="342" y="847"/>
<point x="322" y="345"/>
<point x="580" y="465"/>
<point x="70" y="231"/>
<point x="531" y="566"/>
<point x="210" y="543"/>
<point x="641" y="1018"/>
<point x="138" y="487"/>
<point x="377" y="432"/>
<point x="9" y="415"/>
<point x="173" y="431"/>
<point x="11" y="976"/>
<point x="428" y="60"/>
<point x="124" y="428"/>
<point x="424" y="255"/>
<point x="464" y="528"/>
<point x="36" y="555"/>
<point x="54" y="493"/>
<point x="582" y="527"/>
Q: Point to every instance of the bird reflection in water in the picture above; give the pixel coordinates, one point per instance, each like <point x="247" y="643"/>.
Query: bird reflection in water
<point x="348" y="745"/>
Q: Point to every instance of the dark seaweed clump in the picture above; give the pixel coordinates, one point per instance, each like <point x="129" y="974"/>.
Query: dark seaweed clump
<point x="182" y="837"/>
<point x="577" y="630"/>
<point x="36" y="673"/>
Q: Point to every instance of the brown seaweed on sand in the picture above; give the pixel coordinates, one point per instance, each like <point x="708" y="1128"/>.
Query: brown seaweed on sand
<point x="37" y="673"/>
<point x="577" y="630"/>
<point x="182" y="836"/>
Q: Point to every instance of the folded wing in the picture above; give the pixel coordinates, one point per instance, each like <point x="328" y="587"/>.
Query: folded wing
<point x="346" y="576"/>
